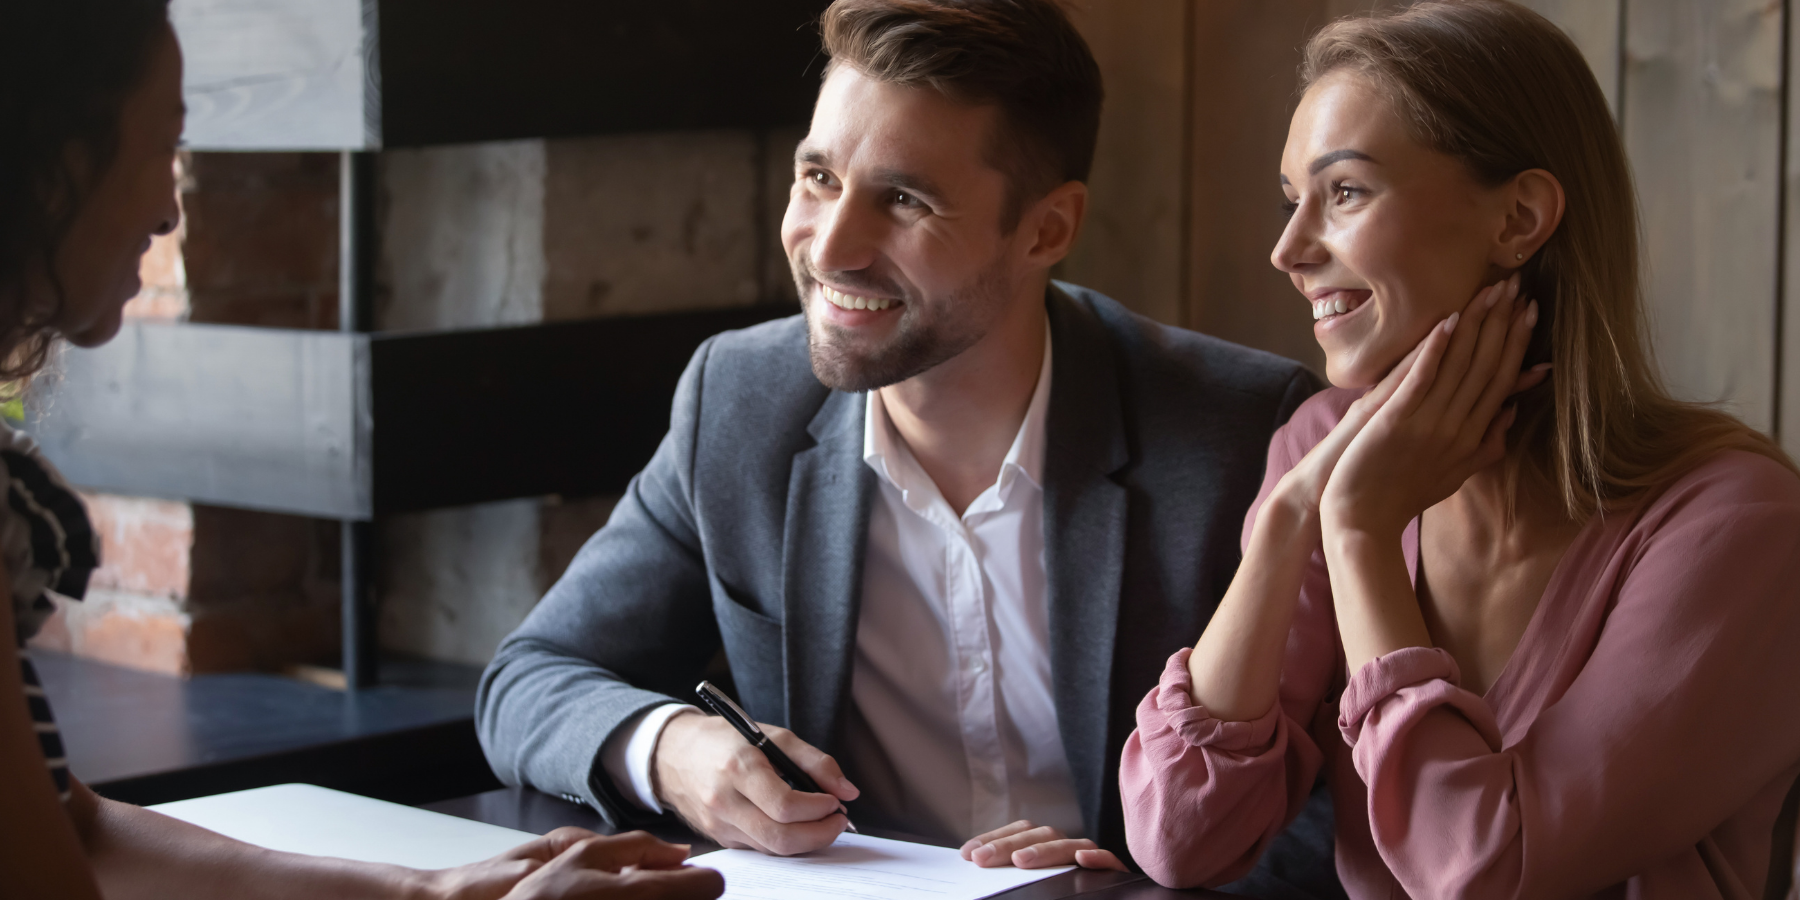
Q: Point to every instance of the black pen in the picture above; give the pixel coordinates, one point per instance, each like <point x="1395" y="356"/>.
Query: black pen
<point x="717" y="701"/>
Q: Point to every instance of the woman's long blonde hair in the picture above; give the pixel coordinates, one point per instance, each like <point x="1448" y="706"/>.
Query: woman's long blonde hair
<point x="1504" y="90"/>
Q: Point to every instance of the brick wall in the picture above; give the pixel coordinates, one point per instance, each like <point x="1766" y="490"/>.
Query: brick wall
<point x="188" y="588"/>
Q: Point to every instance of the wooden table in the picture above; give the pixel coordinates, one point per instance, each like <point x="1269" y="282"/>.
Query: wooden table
<point x="527" y="810"/>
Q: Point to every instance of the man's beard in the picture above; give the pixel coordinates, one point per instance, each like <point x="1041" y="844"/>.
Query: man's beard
<point x="917" y="344"/>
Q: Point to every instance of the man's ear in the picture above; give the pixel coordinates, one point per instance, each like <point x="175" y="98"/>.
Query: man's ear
<point x="1535" y="205"/>
<point x="1054" y="222"/>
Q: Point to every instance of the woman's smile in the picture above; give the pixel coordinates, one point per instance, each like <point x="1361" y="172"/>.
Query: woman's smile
<point x="1329" y="303"/>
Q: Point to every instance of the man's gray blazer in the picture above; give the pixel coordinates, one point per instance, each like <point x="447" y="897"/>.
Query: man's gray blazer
<point x="746" y="531"/>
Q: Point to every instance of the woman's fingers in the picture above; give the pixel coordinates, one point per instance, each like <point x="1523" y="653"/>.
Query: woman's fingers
<point x="1003" y="831"/>
<point x="1384" y="389"/>
<point x="1064" y="852"/>
<point x="1486" y="365"/>
<point x="1505" y="382"/>
<point x="1424" y="371"/>
<point x="1530" y="378"/>
<point x="999" y="852"/>
<point x="1459" y="355"/>
<point x="1099" y="859"/>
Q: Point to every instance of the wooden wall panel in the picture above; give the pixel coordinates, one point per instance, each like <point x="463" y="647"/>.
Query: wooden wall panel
<point x="274" y="74"/>
<point x="1702" y="88"/>
<point x="1245" y="60"/>
<point x="1788" y="388"/>
<point x="1594" y="26"/>
<point x="1132" y="244"/>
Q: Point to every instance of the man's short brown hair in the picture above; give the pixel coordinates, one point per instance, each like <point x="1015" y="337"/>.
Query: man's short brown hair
<point x="1023" y="56"/>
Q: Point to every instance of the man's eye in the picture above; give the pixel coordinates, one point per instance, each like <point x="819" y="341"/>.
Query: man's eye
<point x="819" y="178"/>
<point x="908" y="201"/>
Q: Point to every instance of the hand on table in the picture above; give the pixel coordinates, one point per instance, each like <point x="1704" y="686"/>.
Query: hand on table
<point x="1029" y="846"/>
<point x="1444" y="421"/>
<point x="727" y="790"/>
<point x="576" y="864"/>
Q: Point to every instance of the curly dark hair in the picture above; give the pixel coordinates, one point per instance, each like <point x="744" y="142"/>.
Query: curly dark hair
<point x="66" y="68"/>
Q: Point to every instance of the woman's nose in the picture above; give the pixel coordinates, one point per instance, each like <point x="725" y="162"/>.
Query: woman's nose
<point x="1299" y="247"/>
<point x="171" y="217"/>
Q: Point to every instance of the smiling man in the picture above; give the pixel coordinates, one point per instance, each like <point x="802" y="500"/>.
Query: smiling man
<point x="945" y="525"/>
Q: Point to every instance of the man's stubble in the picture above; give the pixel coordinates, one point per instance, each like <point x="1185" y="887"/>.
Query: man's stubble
<point x="921" y="340"/>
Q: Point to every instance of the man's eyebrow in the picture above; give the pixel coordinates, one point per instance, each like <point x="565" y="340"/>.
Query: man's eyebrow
<point x="1336" y="156"/>
<point x="810" y="157"/>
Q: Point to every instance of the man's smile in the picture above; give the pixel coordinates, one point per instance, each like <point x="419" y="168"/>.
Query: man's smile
<point x="842" y="300"/>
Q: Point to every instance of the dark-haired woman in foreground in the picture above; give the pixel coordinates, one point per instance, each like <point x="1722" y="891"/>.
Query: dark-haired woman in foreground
<point x="90" y="104"/>
<point x="1535" y="619"/>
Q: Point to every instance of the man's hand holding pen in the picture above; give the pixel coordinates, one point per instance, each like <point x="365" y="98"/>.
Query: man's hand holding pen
<point x="728" y="790"/>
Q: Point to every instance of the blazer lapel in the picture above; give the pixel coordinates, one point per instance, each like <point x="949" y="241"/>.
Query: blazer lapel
<point x="829" y="492"/>
<point x="1084" y="539"/>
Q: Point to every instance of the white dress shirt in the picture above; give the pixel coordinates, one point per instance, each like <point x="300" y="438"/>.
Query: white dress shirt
<point x="953" y="722"/>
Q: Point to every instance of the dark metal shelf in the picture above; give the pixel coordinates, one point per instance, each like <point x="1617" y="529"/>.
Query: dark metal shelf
<point x="147" y="738"/>
<point x="354" y="426"/>
<point x="370" y="74"/>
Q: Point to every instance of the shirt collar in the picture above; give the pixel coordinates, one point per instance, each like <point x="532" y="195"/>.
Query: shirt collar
<point x="888" y="455"/>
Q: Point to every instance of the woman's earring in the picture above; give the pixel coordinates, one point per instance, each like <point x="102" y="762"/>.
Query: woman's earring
<point x="1518" y="256"/>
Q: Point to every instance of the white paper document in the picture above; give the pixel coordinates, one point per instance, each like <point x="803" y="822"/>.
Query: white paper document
<point x="302" y="818"/>
<point x="867" y="868"/>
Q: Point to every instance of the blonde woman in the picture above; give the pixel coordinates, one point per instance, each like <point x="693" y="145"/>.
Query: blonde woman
<point x="1535" y="619"/>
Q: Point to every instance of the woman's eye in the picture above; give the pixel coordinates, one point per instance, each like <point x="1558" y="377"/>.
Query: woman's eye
<point x="1288" y="208"/>
<point x="1344" y="193"/>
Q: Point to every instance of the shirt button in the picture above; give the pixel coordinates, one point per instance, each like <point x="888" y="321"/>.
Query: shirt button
<point x="979" y="665"/>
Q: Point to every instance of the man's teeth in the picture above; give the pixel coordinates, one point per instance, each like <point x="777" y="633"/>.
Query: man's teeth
<point x="850" y="301"/>
<point x="1328" y="307"/>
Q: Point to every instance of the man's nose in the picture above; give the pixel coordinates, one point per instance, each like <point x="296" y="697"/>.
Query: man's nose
<point x="845" y="238"/>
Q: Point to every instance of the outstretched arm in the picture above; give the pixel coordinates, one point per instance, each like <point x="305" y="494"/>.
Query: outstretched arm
<point x="137" y="853"/>
<point x="93" y="847"/>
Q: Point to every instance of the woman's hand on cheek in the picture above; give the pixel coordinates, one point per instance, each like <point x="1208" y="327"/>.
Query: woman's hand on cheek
<point x="1303" y="487"/>
<point x="1445" y="420"/>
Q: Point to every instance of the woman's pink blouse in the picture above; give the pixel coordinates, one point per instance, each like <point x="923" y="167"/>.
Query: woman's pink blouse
<point x="1638" y="743"/>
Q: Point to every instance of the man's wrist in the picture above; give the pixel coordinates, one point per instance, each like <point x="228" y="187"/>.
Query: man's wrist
<point x="655" y="768"/>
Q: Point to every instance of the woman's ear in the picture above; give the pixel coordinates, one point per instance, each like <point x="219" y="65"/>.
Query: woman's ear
<point x="1535" y="208"/>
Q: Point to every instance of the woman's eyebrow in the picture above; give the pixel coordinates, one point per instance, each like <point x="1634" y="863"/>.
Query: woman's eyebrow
<point x="1337" y="156"/>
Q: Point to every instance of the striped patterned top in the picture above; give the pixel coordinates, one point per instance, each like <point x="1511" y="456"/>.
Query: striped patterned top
<point x="48" y="546"/>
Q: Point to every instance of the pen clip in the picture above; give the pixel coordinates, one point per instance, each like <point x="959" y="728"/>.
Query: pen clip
<point x="722" y="704"/>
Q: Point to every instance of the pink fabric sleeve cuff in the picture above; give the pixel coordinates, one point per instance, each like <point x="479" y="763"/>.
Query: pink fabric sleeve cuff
<point x="1385" y="676"/>
<point x="1173" y="703"/>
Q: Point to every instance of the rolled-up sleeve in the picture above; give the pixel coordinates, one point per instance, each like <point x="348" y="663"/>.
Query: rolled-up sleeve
<point x="1207" y="797"/>
<point x="1682" y="715"/>
<point x="1204" y="798"/>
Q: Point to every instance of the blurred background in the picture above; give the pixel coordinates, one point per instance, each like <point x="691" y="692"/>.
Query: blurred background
<point x="410" y="224"/>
